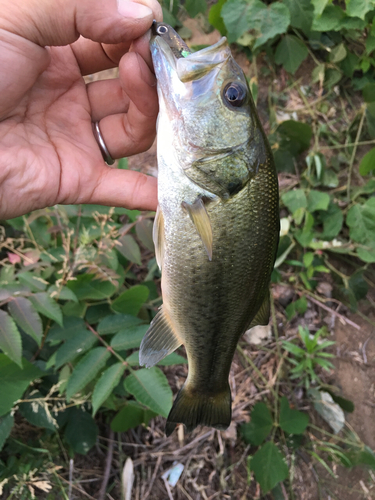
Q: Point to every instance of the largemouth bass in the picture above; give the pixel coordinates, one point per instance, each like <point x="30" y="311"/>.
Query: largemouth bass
<point x="217" y="224"/>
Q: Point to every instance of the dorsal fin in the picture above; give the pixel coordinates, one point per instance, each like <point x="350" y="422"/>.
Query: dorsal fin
<point x="199" y="217"/>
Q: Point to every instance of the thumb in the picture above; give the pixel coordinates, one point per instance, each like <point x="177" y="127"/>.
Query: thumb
<point x="61" y="22"/>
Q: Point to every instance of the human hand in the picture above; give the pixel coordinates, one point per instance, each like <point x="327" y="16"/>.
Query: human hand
<point x="48" y="153"/>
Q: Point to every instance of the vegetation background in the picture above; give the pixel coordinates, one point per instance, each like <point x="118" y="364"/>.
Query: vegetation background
<point x="79" y="286"/>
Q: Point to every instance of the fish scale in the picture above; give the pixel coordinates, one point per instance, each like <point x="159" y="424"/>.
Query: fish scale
<point x="216" y="229"/>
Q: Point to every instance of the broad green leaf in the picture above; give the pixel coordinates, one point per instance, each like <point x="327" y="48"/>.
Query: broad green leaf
<point x="328" y="409"/>
<point x="62" y="293"/>
<point x="368" y="93"/>
<point x="71" y="328"/>
<point x="338" y="53"/>
<point x="194" y="7"/>
<point x="97" y="312"/>
<point x="235" y="16"/>
<point x="129" y="338"/>
<point x="130" y="301"/>
<point x="362" y="456"/>
<point x="367" y="164"/>
<point x="35" y="283"/>
<point x="130" y="416"/>
<point x="215" y="19"/>
<point x="105" y="385"/>
<point x="358" y="285"/>
<point x="24" y="314"/>
<point x="297" y="132"/>
<point x="329" y="20"/>
<point x="269" y="466"/>
<point x="332" y="222"/>
<point x="292" y="421"/>
<point x="10" y="338"/>
<point x="269" y="22"/>
<point x="294" y="200"/>
<point x="171" y="359"/>
<point x="74" y="347"/>
<point x="260" y="425"/>
<point x="319" y="6"/>
<point x="367" y="253"/>
<point x="301" y="14"/>
<point x="331" y="78"/>
<point x="47" y="306"/>
<point x="35" y="412"/>
<point x="358" y="8"/>
<point x="86" y="369"/>
<point x="150" y="387"/>
<point x="86" y="287"/>
<point x="116" y="322"/>
<point x="361" y="221"/>
<point x="14" y="381"/>
<point x="316" y="200"/>
<point x="81" y="431"/>
<point x="74" y="309"/>
<point x="6" y="424"/>
<point x="290" y="52"/>
<point x="129" y="249"/>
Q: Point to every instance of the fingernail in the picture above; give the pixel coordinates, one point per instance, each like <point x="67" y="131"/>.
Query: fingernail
<point x="132" y="9"/>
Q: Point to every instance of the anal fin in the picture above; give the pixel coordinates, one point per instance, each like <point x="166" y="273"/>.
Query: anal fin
<point x="262" y="317"/>
<point x="158" y="237"/>
<point x="159" y="341"/>
<point x="199" y="217"/>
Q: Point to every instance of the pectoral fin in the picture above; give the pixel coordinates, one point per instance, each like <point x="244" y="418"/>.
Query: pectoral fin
<point x="262" y="317"/>
<point x="158" y="237"/>
<point x="159" y="341"/>
<point x="199" y="217"/>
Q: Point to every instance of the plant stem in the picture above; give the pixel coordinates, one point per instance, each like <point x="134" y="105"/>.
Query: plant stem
<point x="359" y="131"/>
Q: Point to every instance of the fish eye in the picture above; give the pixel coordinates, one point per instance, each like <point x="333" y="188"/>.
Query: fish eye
<point x="235" y="94"/>
<point x="161" y="30"/>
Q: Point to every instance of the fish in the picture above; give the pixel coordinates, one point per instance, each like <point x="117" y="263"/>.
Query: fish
<point x="216" y="227"/>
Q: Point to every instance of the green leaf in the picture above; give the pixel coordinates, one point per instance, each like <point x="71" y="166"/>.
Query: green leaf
<point x="150" y="387"/>
<point x="294" y="349"/>
<point x="130" y="301"/>
<point x="194" y="7"/>
<point x="129" y="249"/>
<point x="361" y="222"/>
<point x="358" y="285"/>
<point x="297" y="132"/>
<point x="301" y="14"/>
<point x="129" y="338"/>
<point x="143" y="228"/>
<point x="292" y="421"/>
<point x="338" y="53"/>
<point x="116" y="322"/>
<point x="74" y="309"/>
<point x="294" y="200"/>
<point x="316" y="200"/>
<point x="81" y="431"/>
<point x="10" y="338"/>
<point x="260" y="425"/>
<point x="105" y="385"/>
<point x="270" y="22"/>
<point x="215" y="19"/>
<point x="319" y="6"/>
<point x="329" y="20"/>
<point x="6" y="424"/>
<point x="74" y="347"/>
<point x="171" y="359"/>
<point x="62" y="293"/>
<point x="235" y="15"/>
<point x="35" y="283"/>
<point x="131" y="415"/>
<point x="269" y="466"/>
<point x="35" y="412"/>
<point x="14" y="381"/>
<point x="26" y="317"/>
<point x="71" y="328"/>
<point x="367" y="164"/>
<point x="358" y="8"/>
<point x="332" y="221"/>
<point x="85" y="287"/>
<point x="86" y="369"/>
<point x="47" y="306"/>
<point x="290" y="52"/>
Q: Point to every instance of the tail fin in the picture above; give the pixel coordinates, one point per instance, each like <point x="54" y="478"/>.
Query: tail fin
<point x="193" y="408"/>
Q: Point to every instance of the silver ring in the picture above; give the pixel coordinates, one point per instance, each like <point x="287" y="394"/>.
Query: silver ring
<point x="103" y="148"/>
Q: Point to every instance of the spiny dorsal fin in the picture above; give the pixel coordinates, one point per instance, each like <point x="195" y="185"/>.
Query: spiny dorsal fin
<point x="159" y="341"/>
<point x="158" y="237"/>
<point x="199" y="217"/>
<point x="262" y="317"/>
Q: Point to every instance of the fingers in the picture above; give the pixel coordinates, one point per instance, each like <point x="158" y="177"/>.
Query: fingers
<point x="106" y="98"/>
<point x="125" y="188"/>
<point x="132" y="132"/>
<point x="94" y="56"/>
<point x="62" y="21"/>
